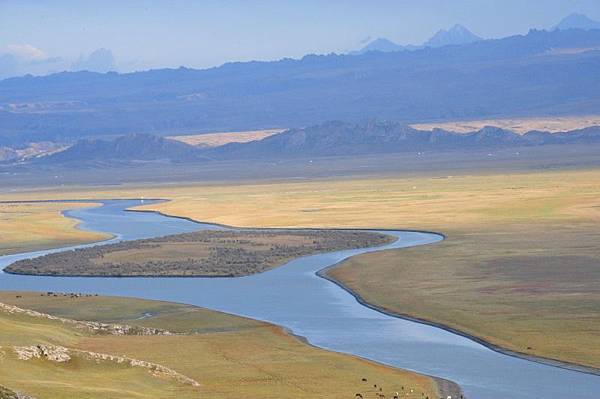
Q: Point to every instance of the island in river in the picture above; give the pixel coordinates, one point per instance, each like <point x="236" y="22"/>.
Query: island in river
<point x="214" y="253"/>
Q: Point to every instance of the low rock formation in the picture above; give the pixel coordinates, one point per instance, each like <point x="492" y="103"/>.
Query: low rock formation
<point x="53" y="353"/>
<point x="91" y="326"/>
<point x="60" y="354"/>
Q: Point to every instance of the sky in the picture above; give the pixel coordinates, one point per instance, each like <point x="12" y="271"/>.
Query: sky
<point x="41" y="37"/>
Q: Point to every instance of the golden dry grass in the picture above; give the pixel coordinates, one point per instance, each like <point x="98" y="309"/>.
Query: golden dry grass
<point x="33" y="226"/>
<point x="229" y="356"/>
<point x="518" y="125"/>
<point x="222" y="138"/>
<point x="425" y="202"/>
<point x="510" y="239"/>
<point x="411" y="203"/>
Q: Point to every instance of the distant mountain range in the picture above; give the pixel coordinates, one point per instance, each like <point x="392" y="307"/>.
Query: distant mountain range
<point x="459" y="35"/>
<point x="542" y="73"/>
<point x="326" y="139"/>
<point x="456" y="35"/>
<point x="339" y="138"/>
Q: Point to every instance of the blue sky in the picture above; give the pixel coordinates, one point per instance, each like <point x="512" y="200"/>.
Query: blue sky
<point x="45" y="36"/>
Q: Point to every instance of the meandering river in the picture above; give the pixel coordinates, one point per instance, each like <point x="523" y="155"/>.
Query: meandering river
<point x="329" y="317"/>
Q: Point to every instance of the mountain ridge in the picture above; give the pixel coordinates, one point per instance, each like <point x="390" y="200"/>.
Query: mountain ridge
<point x="132" y="147"/>
<point x="332" y="138"/>
<point x="335" y="138"/>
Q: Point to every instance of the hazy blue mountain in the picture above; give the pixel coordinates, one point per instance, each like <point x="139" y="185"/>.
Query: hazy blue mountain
<point x="332" y="138"/>
<point x="456" y="35"/>
<point x="135" y="147"/>
<point x="577" y="21"/>
<point x="382" y="44"/>
<point x="342" y="138"/>
<point x="101" y="60"/>
<point x="385" y="46"/>
<point x="519" y="75"/>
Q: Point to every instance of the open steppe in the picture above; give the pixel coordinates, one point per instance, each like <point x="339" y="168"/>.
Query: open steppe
<point x="518" y="268"/>
<point x="174" y="351"/>
<point x="31" y="226"/>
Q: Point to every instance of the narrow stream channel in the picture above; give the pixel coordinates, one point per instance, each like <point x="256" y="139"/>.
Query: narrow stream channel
<point x="329" y="317"/>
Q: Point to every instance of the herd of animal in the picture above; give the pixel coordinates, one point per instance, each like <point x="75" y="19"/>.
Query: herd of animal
<point x="404" y="391"/>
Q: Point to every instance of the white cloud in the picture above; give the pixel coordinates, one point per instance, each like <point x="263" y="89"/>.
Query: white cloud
<point x="22" y="59"/>
<point x="26" y="52"/>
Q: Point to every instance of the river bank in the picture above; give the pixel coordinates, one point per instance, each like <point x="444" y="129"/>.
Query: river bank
<point x="216" y="352"/>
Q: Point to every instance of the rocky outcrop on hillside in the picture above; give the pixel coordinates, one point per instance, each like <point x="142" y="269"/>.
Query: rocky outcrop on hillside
<point x="60" y="354"/>
<point x="53" y="353"/>
<point x="6" y="393"/>
<point x="91" y="326"/>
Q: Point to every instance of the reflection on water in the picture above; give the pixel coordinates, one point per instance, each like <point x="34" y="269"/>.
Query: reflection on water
<point x="329" y="317"/>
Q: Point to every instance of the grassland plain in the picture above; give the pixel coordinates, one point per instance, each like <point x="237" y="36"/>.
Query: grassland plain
<point x="32" y="226"/>
<point x="227" y="356"/>
<point x="519" y="266"/>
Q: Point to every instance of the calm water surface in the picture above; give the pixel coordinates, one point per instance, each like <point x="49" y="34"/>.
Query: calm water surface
<point x="294" y="297"/>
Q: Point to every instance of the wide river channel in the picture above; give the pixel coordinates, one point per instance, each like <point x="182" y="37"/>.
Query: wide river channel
<point x="326" y="315"/>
